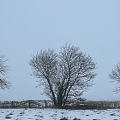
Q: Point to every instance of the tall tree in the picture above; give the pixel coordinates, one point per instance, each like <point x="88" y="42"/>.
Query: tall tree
<point x="3" y="70"/>
<point x="115" y="75"/>
<point x="66" y="75"/>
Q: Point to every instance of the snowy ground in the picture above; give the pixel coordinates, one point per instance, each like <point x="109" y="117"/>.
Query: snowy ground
<point x="55" y="114"/>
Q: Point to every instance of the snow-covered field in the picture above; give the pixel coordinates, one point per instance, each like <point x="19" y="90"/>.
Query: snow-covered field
<point x="56" y="114"/>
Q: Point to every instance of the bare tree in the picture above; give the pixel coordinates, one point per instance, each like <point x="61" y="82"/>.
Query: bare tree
<point x="66" y="75"/>
<point x="3" y="70"/>
<point x="115" y="75"/>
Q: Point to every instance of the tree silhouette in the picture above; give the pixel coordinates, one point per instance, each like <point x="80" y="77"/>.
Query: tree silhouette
<point x="66" y="75"/>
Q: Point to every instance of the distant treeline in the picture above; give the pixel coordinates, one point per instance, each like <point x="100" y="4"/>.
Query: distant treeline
<point x="49" y="104"/>
<point x="95" y="105"/>
<point x="26" y="104"/>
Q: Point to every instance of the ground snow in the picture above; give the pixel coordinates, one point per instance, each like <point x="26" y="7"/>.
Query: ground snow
<point x="56" y="114"/>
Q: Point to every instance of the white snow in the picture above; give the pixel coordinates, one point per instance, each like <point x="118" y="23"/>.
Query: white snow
<point x="56" y="114"/>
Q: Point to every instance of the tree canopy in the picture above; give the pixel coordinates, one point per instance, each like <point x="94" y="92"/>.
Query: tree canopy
<point x="66" y="75"/>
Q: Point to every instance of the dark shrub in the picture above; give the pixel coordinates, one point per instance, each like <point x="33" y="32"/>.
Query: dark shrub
<point x="64" y="118"/>
<point x="76" y="119"/>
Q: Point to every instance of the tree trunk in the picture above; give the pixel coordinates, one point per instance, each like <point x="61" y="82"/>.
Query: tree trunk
<point x="53" y="95"/>
<point x="59" y="102"/>
<point x="60" y="99"/>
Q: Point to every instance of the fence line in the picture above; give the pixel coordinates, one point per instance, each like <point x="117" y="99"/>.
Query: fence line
<point x="26" y="104"/>
<point x="47" y="104"/>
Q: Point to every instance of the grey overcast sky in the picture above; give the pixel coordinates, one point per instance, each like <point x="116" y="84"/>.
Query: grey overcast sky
<point x="27" y="26"/>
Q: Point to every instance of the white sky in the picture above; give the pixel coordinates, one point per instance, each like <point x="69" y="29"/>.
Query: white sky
<point x="27" y="26"/>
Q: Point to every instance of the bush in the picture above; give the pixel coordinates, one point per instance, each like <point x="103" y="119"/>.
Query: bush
<point x="76" y="119"/>
<point x="64" y="118"/>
